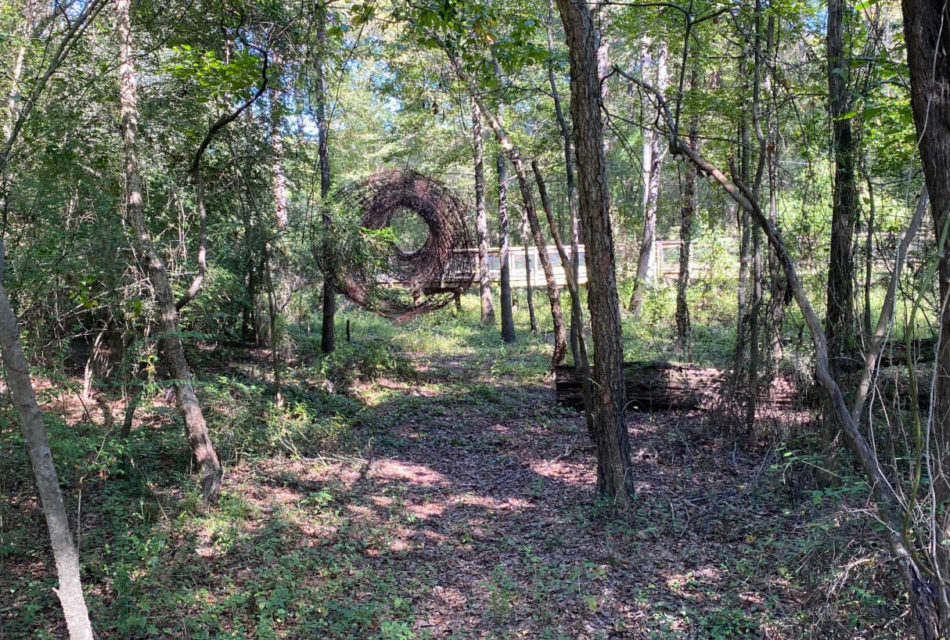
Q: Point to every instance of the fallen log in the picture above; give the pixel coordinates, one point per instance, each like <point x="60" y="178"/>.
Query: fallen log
<point x="664" y="386"/>
<point x="651" y="386"/>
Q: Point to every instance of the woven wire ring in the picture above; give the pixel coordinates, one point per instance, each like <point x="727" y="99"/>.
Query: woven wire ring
<point x="411" y="282"/>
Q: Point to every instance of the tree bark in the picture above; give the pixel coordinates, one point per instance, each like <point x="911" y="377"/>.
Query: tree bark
<point x="481" y="219"/>
<point x="606" y="422"/>
<point x="328" y="326"/>
<point x="172" y="349"/>
<point x="576" y="330"/>
<point x="65" y="554"/>
<point x="844" y="212"/>
<point x="927" y="36"/>
<point x="504" y="234"/>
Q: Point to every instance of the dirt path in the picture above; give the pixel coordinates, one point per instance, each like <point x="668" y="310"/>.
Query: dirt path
<point x="469" y="513"/>
<point x="480" y="495"/>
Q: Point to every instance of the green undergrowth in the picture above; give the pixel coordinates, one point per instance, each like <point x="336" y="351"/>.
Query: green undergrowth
<point x="306" y="544"/>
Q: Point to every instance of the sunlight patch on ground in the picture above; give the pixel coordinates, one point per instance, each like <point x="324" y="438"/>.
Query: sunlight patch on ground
<point x="491" y="504"/>
<point x="426" y="510"/>
<point x="413" y="474"/>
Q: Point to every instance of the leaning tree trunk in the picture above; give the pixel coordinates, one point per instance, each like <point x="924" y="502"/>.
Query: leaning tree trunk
<point x="47" y="482"/>
<point x="527" y="199"/>
<point x="921" y="591"/>
<point x="927" y="34"/>
<point x="481" y="219"/>
<point x="172" y="349"/>
<point x="606" y="416"/>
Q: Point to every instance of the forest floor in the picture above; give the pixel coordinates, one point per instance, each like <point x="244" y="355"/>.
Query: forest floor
<point x="459" y="503"/>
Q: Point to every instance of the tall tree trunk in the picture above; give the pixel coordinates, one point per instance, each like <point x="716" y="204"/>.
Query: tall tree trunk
<point x="652" y="159"/>
<point x="328" y="328"/>
<point x="759" y="79"/>
<point x="576" y="331"/>
<point x="172" y="349"/>
<point x="687" y="213"/>
<point x="481" y="219"/>
<point x="606" y="422"/>
<point x="927" y="34"/>
<point x="47" y="482"/>
<point x="504" y="235"/>
<point x="844" y="213"/>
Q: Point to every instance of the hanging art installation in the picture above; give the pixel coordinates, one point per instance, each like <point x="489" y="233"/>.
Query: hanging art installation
<point x="399" y="283"/>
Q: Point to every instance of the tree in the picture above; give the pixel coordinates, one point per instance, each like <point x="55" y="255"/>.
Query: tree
<point x="173" y="350"/>
<point x="47" y="481"/>
<point x="327" y="341"/>
<point x="927" y="35"/>
<point x="606" y="422"/>
<point x="839" y="317"/>
<point x="652" y="161"/>
<point x="16" y="367"/>
<point x="481" y="219"/>
<point x="507" y="316"/>
<point x="687" y="214"/>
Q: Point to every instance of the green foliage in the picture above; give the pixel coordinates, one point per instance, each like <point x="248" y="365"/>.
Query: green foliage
<point x="366" y="361"/>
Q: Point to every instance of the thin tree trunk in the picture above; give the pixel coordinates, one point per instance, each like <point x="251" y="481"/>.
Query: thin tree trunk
<point x="172" y="349"/>
<point x="569" y="275"/>
<point x="504" y="234"/>
<point x="47" y="482"/>
<point x="755" y="310"/>
<point x="529" y="290"/>
<point x="605" y="418"/>
<point x="195" y="172"/>
<point x="481" y="219"/>
<point x="328" y="328"/>
<point x="687" y="213"/>
<point x="576" y="331"/>
<point x="868" y="255"/>
<point x="272" y="318"/>
<point x="652" y="159"/>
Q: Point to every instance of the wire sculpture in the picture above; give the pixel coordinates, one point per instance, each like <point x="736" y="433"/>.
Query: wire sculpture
<point x="404" y="284"/>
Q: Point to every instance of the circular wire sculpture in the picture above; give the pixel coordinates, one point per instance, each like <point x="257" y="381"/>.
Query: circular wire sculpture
<point x="402" y="284"/>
